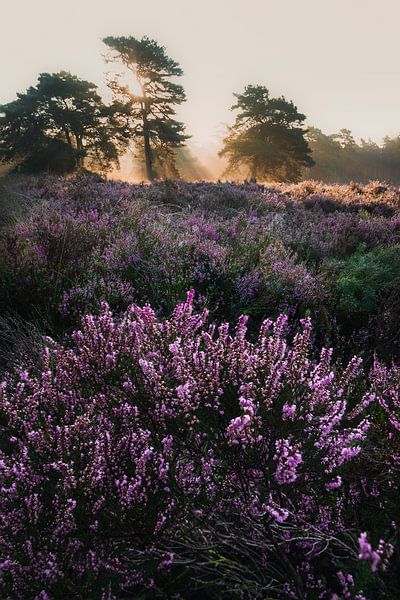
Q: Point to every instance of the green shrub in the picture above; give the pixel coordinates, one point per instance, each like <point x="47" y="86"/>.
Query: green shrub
<point x="367" y="278"/>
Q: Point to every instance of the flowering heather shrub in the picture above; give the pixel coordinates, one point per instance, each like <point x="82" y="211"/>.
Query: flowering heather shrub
<point x="317" y="237"/>
<point x="174" y="458"/>
<point x="247" y="248"/>
<point x="374" y="194"/>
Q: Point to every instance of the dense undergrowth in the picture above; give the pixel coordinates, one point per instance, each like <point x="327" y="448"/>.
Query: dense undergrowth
<point x="159" y="452"/>
<point x="330" y="252"/>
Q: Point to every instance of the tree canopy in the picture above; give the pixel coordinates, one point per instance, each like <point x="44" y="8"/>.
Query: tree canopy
<point x="152" y="98"/>
<point x="60" y="124"/>
<point x="267" y="137"/>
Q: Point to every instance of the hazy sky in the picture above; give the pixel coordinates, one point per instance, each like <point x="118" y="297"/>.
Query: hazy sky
<point x="339" y="60"/>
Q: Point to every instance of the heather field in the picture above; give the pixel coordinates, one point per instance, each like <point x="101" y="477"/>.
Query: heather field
<point x="199" y="390"/>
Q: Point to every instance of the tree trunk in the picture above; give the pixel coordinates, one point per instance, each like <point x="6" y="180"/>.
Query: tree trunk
<point x="80" y="161"/>
<point x="67" y="137"/>
<point x="147" y="148"/>
<point x="253" y="174"/>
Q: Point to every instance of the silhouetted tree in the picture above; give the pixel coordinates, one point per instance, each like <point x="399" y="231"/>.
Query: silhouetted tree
<point x="153" y="102"/>
<point x="267" y="137"/>
<point x="62" y="121"/>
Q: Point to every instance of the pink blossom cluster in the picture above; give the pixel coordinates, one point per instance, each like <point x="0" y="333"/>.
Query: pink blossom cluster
<point x="146" y="451"/>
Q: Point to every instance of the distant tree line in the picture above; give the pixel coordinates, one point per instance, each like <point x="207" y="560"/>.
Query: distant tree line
<point x="338" y="158"/>
<point x="62" y="125"/>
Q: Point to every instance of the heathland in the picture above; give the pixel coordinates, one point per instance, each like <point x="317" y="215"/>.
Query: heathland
<point x="199" y="396"/>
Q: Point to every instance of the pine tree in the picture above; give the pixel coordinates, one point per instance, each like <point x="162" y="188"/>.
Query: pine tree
<point x="267" y="137"/>
<point x="62" y="124"/>
<point x="152" y="97"/>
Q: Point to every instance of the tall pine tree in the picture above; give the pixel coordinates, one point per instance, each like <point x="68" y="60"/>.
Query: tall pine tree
<point x="267" y="138"/>
<point x="152" y="96"/>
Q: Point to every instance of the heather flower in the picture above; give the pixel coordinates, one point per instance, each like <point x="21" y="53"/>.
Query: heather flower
<point x="142" y="425"/>
<point x="153" y="445"/>
<point x="367" y="553"/>
<point x="288" y="458"/>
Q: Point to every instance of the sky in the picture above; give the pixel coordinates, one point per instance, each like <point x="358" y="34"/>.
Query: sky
<point x="338" y="60"/>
